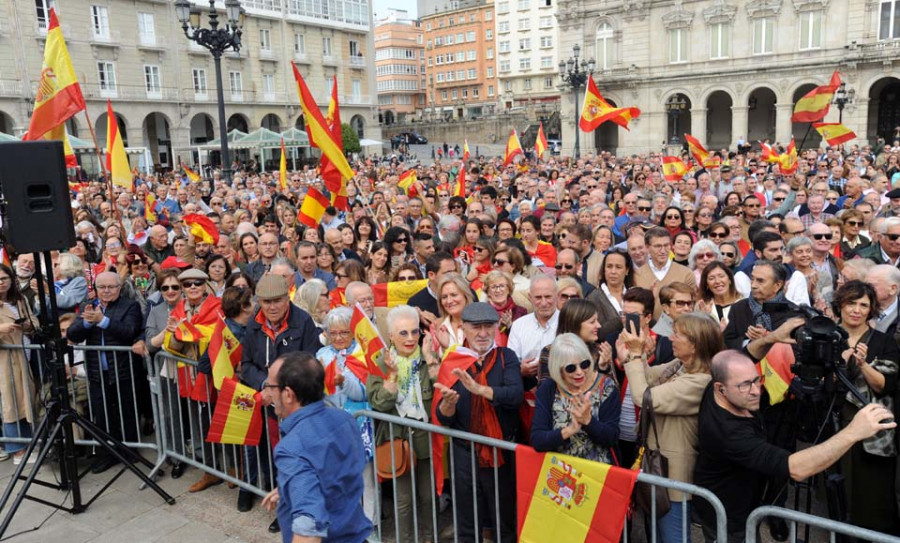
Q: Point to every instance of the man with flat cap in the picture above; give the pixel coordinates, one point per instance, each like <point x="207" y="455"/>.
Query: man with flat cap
<point x="483" y="397"/>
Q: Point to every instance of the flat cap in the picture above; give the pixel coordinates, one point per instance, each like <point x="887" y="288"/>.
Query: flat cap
<point x="725" y="168"/>
<point x="271" y="286"/>
<point x="479" y="313"/>
<point x="192" y="273"/>
<point x="551" y="206"/>
<point x="893" y="194"/>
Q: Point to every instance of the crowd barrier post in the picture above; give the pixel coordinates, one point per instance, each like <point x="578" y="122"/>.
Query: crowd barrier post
<point x="793" y="518"/>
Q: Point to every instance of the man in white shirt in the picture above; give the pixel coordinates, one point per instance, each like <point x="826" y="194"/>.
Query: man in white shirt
<point x="885" y="279"/>
<point x="533" y="332"/>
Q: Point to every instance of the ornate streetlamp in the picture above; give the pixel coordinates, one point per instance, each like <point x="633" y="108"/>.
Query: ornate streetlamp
<point x="574" y="73"/>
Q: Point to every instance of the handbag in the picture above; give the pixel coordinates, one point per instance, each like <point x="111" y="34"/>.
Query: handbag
<point x="651" y="461"/>
<point x="402" y="457"/>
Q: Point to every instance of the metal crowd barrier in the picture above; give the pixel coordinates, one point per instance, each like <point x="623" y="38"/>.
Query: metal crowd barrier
<point x="118" y="392"/>
<point x="182" y="426"/>
<point x="793" y="518"/>
<point x="502" y="495"/>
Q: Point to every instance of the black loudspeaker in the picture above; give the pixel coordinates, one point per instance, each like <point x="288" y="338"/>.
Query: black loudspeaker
<point x="36" y="207"/>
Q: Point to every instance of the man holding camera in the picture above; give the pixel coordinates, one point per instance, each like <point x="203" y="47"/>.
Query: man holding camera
<point x="736" y="460"/>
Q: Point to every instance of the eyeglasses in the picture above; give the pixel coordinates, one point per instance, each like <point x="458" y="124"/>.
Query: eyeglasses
<point x="107" y="287"/>
<point x="751" y="205"/>
<point x="892" y="237"/>
<point x="746" y="386"/>
<point x="500" y="262"/>
<point x="777" y="199"/>
<point x="406" y="278"/>
<point x="498" y="287"/>
<point x="705" y="215"/>
<point x="716" y="235"/>
<point x="584" y="364"/>
<point x="167" y="288"/>
<point x="567" y="201"/>
<point x="642" y="208"/>
<point x="682" y="303"/>
<point x="113" y="245"/>
<point x="409" y="333"/>
<point x="456" y="206"/>
<point x="339" y="333"/>
<point x="196" y="283"/>
<point x="569" y="296"/>
<point x="565" y="266"/>
<point x="444" y="195"/>
<point x="706" y="255"/>
<point x="400" y="240"/>
<point x="854" y="223"/>
<point x="676" y="217"/>
<point x="822" y="236"/>
<point x="341" y="275"/>
<point x="480" y="249"/>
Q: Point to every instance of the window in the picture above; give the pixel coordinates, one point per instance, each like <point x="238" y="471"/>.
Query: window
<point x="236" y="84"/>
<point x="439" y="60"/>
<point x="470" y="36"/>
<point x="430" y="61"/>
<point x="810" y="30"/>
<point x="502" y="7"/>
<point x="268" y="86"/>
<point x="604" y="43"/>
<point x="503" y="46"/>
<point x="524" y="24"/>
<point x="524" y="5"/>
<point x="443" y="95"/>
<point x="460" y="56"/>
<point x="475" y="92"/>
<point x="472" y="18"/>
<point x="200" y="88"/>
<point x="326" y="46"/>
<point x="265" y="40"/>
<point x="546" y="62"/>
<point x="471" y="74"/>
<point x="299" y="44"/>
<point x="354" y="49"/>
<point x="42" y="12"/>
<point x="763" y="35"/>
<point x="546" y="22"/>
<point x="465" y="93"/>
<point x="460" y="38"/>
<point x="489" y="34"/>
<point x="146" y="29"/>
<point x="488" y="15"/>
<point x="106" y="75"/>
<point x="719" y="40"/>
<point x="889" y="20"/>
<point x="438" y="41"/>
<point x="527" y="83"/>
<point x="525" y="63"/>
<point x="508" y="86"/>
<point x="490" y="90"/>
<point x="504" y="66"/>
<point x="356" y="90"/>
<point x="440" y="77"/>
<point x="450" y="39"/>
<point x="546" y="41"/>
<point x="460" y="75"/>
<point x="489" y="53"/>
<point x="548" y="82"/>
<point x="472" y="55"/>
<point x="100" y="22"/>
<point x="454" y="94"/>
<point x="502" y="27"/>
<point x="490" y="72"/>
<point x="152" y="82"/>
<point x="428" y="27"/>
<point x="524" y="44"/>
<point x="678" y="45"/>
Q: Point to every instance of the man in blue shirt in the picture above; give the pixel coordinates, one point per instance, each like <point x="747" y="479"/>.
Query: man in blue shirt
<point x="319" y="459"/>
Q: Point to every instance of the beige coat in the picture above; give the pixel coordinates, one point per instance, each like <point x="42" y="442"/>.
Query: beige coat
<point x="644" y="278"/>
<point x="676" y="404"/>
<point x="16" y="383"/>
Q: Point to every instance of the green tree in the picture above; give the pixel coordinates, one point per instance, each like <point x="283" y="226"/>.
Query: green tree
<point x="351" y="139"/>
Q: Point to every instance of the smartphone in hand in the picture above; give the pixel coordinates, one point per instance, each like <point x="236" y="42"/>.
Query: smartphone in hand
<point x="633" y="323"/>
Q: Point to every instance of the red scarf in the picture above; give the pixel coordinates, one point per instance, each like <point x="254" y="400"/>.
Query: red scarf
<point x="484" y="419"/>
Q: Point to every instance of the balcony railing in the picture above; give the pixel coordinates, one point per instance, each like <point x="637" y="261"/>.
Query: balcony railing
<point x="358" y="62"/>
<point x="10" y="87"/>
<point x="130" y="92"/>
<point x="237" y="96"/>
<point x="147" y="40"/>
<point x="109" y="36"/>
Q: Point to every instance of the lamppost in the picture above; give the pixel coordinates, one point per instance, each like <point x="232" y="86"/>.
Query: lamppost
<point x="674" y="107"/>
<point x="217" y="40"/>
<point x="575" y="73"/>
<point x="842" y="97"/>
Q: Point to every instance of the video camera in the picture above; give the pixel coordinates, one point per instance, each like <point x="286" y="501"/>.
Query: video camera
<point x="820" y="341"/>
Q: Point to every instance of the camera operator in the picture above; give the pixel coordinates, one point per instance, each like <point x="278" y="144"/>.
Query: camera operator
<point x="734" y="452"/>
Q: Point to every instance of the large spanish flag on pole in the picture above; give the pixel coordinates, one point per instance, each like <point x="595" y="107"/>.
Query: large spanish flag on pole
<point x="673" y="168"/>
<point x="540" y="143"/>
<point x="238" y="418"/>
<point x="565" y="498"/>
<point x="313" y="208"/>
<point x="396" y="292"/>
<point x="814" y="105"/>
<point x="334" y="181"/>
<point x="116" y="159"/>
<point x="59" y="133"/>
<point x="282" y="169"/>
<point x="700" y="154"/>
<point x="317" y="128"/>
<point x="513" y="148"/>
<point x="460" y="189"/>
<point x="596" y="111"/>
<point x="59" y="95"/>
<point x="834" y="133"/>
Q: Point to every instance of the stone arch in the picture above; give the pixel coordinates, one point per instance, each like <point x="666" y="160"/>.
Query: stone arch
<point x="157" y="135"/>
<point x="100" y="129"/>
<point x="7" y="124"/>
<point x="678" y="120"/>
<point x="359" y="125"/>
<point x="202" y="129"/>
<point x="884" y="109"/>
<point x="300" y="123"/>
<point x="606" y="137"/>
<point x="389" y="117"/>
<point x="761" y="102"/>
<point x="271" y="122"/>
<point x="238" y="121"/>
<point x="718" y="119"/>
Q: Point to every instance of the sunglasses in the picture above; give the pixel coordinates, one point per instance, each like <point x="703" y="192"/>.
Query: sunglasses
<point x="854" y="223"/>
<point x="822" y="236"/>
<point x="705" y="215"/>
<point x="706" y="255"/>
<point x="167" y="288"/>
<point x="565" y="267"/>
<point x="642" y="208"/>
<point x="584" y="365"/>
<point x="400" y="240"/>
<point x="195" y="283"/>
<point x="682" y="303"/>
<point x="727" y="255"/>
<point x="676" y="217"/>
<point x="340" y="275"/>
<point x="456" y="206"/>
<point x="715" y="235"/>
<point x="892" y="237"/>
<point x="567" y="201"/>
<point x="778" y="199"/>
<point x="751" y="205"/>
<point x="405" y="278"/>
<point x="500" y="262"/>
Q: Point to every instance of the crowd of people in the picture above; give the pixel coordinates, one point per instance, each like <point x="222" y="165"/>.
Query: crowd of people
<point x="593" y="291"/>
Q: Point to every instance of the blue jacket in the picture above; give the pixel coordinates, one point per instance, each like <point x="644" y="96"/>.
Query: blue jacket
<point x="260" y="350"/>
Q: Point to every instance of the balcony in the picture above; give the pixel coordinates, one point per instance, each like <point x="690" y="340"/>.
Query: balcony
<point x="329" y="59"/>
<point x="271" y="8"/>
<point x="109" y="38"/>
<point x="138" y="93"/>
<point x="10" y="87"/>
<point x="201" y="96"/>
<point x="149" y="41"/>
<point x="301" y="58"/>
<point x="358" y="62"/>
<point x="236" y="96"/>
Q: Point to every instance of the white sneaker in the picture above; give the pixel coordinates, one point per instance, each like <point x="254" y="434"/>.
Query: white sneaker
<point x="3" y="455"/>
<point x="17" y="459"/>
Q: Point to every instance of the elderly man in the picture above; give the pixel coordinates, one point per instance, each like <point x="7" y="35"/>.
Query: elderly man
<point x="885" y="279"/>
<point x="531" y="333"/>
<point x="110" y="321"/>
<point x="630" y="204"/>
<point x="437" y="265"/>
<point x="568" y="264"/>
<point x="320" y="458"/>
<point x="361" y="293"/>
<point x="887" y="249"/>
<point x="489" y="385"/>
<point x="268" y="251"/>
<point x="335" y="238"/>
<point x="158" y="249"/>
<point x="659" y="270"/>
<point x="816" y="204"/>
<point x="825" y="264"/>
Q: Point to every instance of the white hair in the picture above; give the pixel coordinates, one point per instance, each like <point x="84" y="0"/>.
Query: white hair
<point x="566" y="349"/>
<point x="700" y="246"/>
<point x="339" y="316"/>
<point x="401" y="312"/>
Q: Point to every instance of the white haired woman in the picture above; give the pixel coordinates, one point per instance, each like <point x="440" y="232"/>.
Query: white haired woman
<point x="577" y="412"/>
<point x="407" y="393"/>
<point x="69" y="282"/>
<point x="312" y="297"/>
<point x="702" y="253"/>
<point x="345" y="387"/>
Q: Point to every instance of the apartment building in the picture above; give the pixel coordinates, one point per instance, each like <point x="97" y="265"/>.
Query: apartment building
<point x="460" y="62"/>
<point x="399" y="68"/>
<point x="163" y="86"/>
<point x="527" y="52"/>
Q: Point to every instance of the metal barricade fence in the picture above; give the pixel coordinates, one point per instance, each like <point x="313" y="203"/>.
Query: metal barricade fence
<point x="420" y="518"/>
<point x="183" y="423"/>
<point x="794" y="518"/>
<point x="116" y="399"/>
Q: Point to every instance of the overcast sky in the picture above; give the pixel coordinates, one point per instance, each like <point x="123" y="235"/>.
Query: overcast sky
<point x="381" y="6"/>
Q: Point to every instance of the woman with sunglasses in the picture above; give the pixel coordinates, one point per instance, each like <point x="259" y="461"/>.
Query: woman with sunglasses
<point x="731" y="255"/>
<point x="702" y="253"/>
<point x="407" y="392"/>
<point x="398" y="242"/>
<point x="689" y="217"/>
<point x="672" y="219"/>
<point x="567" y="288"/>
<point x="407" y="272"/>
<point x="481" y="263"/>
<point x="718" y="232"/>
<point x="851" y="240"/>
<point x="577" y="409"/>
<point x="703" y="218"/>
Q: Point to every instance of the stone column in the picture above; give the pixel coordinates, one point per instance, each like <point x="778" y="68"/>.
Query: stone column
<point x="698" y="125"/>
<point x="783" y="122"/>
<point x="740" y="122"/>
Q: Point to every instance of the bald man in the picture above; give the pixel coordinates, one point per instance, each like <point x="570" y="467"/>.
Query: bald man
<point x="158" y="247"/>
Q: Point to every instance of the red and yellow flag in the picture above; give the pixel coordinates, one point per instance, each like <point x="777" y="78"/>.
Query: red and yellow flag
<point x="770" y="154"/>
<point x="565" y="498"/>
<point x="460" y="188"/>
<point x="282" y="169"/>
<point x="455" y="357"/>
<point x="335" y="183"/>
<point x="237" y="418"/>
<point x="116" y="159"/>
<point x="4" y="257"/>
<point x="313" y="208"/>
<point x="788" y="163"/>
<point x="407" y="179"/>
<point x="513" y="148"/>
<point x="834" y="133"/>
<point x="150" y="208"/>
<point x="814" y="105"/>
<point x="192" y="176"/>
<point x="700" y="154"/>
<point x="317" y="128"/>
<point x="331" y="373"/>
<point x="59" y="134"/>
<point x="396" y="292"/>
<point x="775" y="370"/>
<point x="465" y="150"/>
<point x="596" y="111"/>
<point x="224" y="353"/>
<point x="540" y="143"/>
<point x="366" y="335"/>
<point x="202" y="228"/>
<point x="673" y="168"/>
<point x="58" y="95"/>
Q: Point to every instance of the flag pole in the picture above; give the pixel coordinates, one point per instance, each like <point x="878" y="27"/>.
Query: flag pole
<point x="808" y="128"/>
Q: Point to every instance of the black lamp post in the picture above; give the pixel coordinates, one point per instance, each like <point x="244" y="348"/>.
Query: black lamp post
<point x="842" y="97"/>
<point x="575" y="73"/>
<point x="674" y="107"/>
<point x="217" y="40"/>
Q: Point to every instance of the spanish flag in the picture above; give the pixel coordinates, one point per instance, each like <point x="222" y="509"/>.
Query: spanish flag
<point x="814" y="105"/>
<point x="317" y="128"/>
<point x="465" y="150"/>
<point x="834" y="133"/>
<point x="540" y="143"/>
<point x="770" y="154"/>
<point x="460" y="189"/>
<point x="59" y="134"/>
<point x="396" y="292"/>
<point x="313" y="208"/>
<point x="775" y="370"/>
<point x="224" y="353"/>
<point x="116" y="159"/>
<point x="282" y="169"/>
<point x="58" y="95"/>
<point x="700" y="154"/>
<point x="150" y="208"/>
<point x="565" y="498"/>
<point x="596" y="111"/>
<point x="202" y="228"/>
<point x="788" y="164"/>
<point x="237" y="418"/>
<point x="192" y="176"/>
<point x="407" y="179"/>
<point x="335" y="183"/>
<point x="513" y="148"/>
<point x="673" y="168"/>
<point x="4" y="257"/>
<point x="331" y="373"/>
<point x="366" y="335"/>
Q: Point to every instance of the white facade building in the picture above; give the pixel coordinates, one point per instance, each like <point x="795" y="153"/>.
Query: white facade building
<point x="527" y="45"/>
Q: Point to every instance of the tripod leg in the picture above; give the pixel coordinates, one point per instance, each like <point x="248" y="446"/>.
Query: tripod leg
<point x="97" y="431"/>
<point x="104" y="440"/>
<point x="36" y="438"/>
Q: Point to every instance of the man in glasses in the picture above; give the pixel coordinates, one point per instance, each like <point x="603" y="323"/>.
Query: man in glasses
<point x="659" y="270"/>
<point x="630" y="203"/>
<point x="568" y="263"/>
<point x="751" y="207"/>
<point x="887" y="249"/>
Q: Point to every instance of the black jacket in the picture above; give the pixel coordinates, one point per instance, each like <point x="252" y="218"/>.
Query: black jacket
<point x="125" y="328"/>
<point x="260" y="350"/>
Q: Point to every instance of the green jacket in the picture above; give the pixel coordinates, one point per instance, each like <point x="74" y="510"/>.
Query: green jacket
<point x="386" y="402"/>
